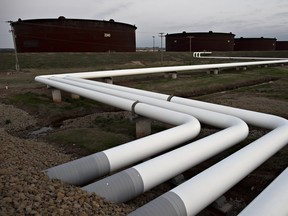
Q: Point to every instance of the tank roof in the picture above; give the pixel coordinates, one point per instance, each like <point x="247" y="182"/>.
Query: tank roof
<point x="254" y="38"/>
<point x="203" y="33"/>
<point x="61" y="18"/>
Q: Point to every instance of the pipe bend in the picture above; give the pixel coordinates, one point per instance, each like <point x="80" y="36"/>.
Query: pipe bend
<point x="188" y="128"/>
<point x="257" y="119"/>
<point x="217" y="179"/>
<point x="219" y="120"/>
<point x="142" y="176"/>
<point x="209" y="184"/>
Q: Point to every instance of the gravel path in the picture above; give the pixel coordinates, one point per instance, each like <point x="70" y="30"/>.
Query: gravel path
<point x="25" y="190"/>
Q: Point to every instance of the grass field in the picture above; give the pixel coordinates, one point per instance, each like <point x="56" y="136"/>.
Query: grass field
<point x="67" y="62"/>
<point x="31" y="96"/>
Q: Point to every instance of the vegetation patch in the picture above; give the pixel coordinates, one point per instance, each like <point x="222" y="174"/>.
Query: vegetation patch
<point x="43" y="106"/>
<point x="116" y="125"/>
<point x="92" y="139"/>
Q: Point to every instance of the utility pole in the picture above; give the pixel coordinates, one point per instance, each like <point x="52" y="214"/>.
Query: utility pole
<point x="17" y="66"/>
<point x="190" y="38"/>
<point x="161" y="35"/>
<point x="190" y="48"/>
<point x="153" y="43"/>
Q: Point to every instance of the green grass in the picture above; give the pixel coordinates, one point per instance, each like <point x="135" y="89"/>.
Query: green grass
<point x="42" y="106"/>
<point x="187" y="85"/>
<point x="108" y="132"/>
<point x="30" y="99"/>
<point x="92" y="139"/>
<point x="87" y="61"/>
<point x="115" y="125"/>
<point x="277" y="89"/>
<point x="101" y="61"/>
<point x="103" y="133"/>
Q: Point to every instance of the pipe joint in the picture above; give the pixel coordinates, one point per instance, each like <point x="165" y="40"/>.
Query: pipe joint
<point x="133" y="108"/>
<point x="169" y="98"/>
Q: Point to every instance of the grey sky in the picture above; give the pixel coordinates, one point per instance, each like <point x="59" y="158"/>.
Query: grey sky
<point x="244" y="18"/>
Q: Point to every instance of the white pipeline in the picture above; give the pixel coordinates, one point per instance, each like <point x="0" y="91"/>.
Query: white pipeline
<point x="186" y="157"/>
<point x="192" y="196"/>
<point x="161" y="100"/>
<point x="257" y="156"/>
<point x="213" y="182"/>
<point x="253" y="118"/>
<point x="85" y="169"/>
<point x="144" y="169"/>
<point x="139" y="71"/>
<point x="200" y="55"/>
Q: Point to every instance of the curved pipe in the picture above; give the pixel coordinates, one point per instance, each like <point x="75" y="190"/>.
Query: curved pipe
<point x="198" y="192"/>
<point x="198" y="54"/>
<point x="85" y="169"/>
<point x="208" y="117"/>
<point x="251" y="117"/>
<point x="178" y="197"/>
<point x="275" y="123"/>
<point x="158" y="170"/>
<point x="188" y="156"/>
<point x="213" y="182"/>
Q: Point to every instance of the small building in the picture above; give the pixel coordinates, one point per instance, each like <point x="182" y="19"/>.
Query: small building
<point x="200" y="41"/>
<point x="255" y="44"/>
<point x="281" y="45"/>
<point x="73" y="35"/>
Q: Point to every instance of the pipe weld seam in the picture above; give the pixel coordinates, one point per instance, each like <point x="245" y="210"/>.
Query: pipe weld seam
<point x="169" y="98"/>
<point x="133" y="107"/>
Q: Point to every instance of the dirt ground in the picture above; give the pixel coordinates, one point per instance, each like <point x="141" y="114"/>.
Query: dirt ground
<point x="242" y="193"/>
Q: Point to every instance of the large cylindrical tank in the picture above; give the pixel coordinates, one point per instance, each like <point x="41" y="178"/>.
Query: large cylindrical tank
<point x="255" y="44"/>
<point x="200" y="41"/>
<point x="73" y="35"/>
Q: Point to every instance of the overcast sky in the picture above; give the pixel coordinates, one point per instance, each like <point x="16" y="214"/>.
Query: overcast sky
<point x="245" y="18"/>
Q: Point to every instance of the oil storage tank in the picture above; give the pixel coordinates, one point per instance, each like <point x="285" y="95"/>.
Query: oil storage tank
<point x="200" y="41"/>
<point x="73" y="35"/>
<point x="255" y="44"/>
